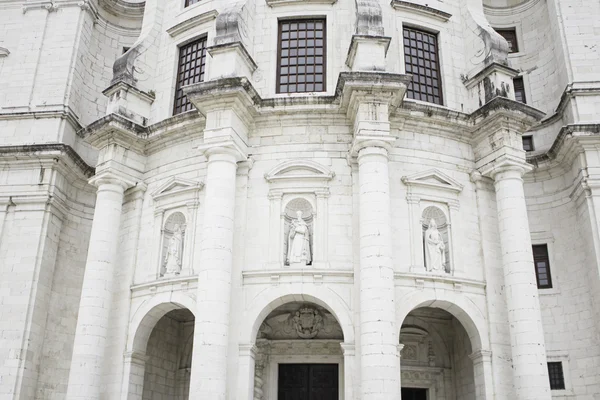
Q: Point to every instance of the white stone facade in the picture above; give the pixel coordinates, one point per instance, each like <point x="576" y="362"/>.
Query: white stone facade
<point x="144" y="255"/>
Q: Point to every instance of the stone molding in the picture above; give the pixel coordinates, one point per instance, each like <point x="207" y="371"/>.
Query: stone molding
<point x="276" y="3"/>
<point x="193" y="22"/>
<point x="505" y="163"/>
<point x="239" y="48"/>
<point x="318" y="172"/>
<point x="4" y="52"/>
<point x="438" y="12"/>
<point x="424" y="179"/>
<point x="112" y="177"/>
<point x="488" y="70"/>
<point x="286" y="276"/>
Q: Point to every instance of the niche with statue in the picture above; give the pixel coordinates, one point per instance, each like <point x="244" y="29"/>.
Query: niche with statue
<point x="435" y="240"/>
<point x="173" y="243"/>
<point x="298" y="233"/>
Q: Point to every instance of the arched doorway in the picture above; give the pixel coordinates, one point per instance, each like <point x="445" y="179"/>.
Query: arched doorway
<point x="158" y="359"/>
<point x="299" y="354"/>
<point x="437" y="361"/>
<point x="169" y="357"/>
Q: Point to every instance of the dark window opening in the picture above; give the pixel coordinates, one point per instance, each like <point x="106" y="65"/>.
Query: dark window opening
<point x="192" y="60"/>
<point x="511" y="37"/>
<point x="191" y="2"/>
<point x="422" y="62"/>
<point x="126" y="49"/>
<point x="528" y="143"/>
<point x="541" y="261"/>
<point x="557" y="378"/>
<point x="519" y="89"/>
<point x="301" y="56"/>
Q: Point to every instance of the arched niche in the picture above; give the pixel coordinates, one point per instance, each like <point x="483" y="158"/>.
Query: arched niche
<point x="298" y="185"/>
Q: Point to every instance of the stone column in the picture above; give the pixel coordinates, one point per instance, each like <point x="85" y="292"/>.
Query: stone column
<point x="209" y="368"/>
<point x="380" y="367"/>
<point x="530" y="372"/>
<point x="85" y="377"/>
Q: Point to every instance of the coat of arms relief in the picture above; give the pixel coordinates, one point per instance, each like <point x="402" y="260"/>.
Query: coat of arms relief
<point x="307" y="322"/>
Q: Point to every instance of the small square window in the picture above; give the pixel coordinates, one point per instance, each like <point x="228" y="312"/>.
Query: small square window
<point x="556" y="375"/>
<point x="510" y="35"/>
<point x="528" y="143"/>
<point x="541" y="262"/>
<point x="191" y="2"/>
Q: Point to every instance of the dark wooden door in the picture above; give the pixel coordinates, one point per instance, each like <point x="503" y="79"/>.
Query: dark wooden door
<point x="414" y="394"/>
<point x="308" y="382"/>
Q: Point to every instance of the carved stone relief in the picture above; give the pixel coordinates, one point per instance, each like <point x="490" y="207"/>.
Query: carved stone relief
<point x="305" y="322"/>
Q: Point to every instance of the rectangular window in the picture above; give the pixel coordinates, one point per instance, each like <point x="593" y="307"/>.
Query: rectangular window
<point x="192" y="60"/>
<point x="510" y="35"/>
<point x="519" y="90"/>
<point x="542" y="266"/>
<point x="301" y="56"/>
<point x="422" y="62"/>
<point x="191" y="2"/>
<point x="528" y="143"/>
<point x="557" y="378"/>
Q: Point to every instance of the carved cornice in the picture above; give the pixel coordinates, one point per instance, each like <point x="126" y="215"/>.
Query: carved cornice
<point x="54" y="5"/>
<point x="50" y="150"/>
<point x="115" y="129"/>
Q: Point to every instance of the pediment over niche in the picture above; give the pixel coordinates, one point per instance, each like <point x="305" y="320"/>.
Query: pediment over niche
<point x="433" y="179"/>
<point x="176" y="186"/>
<point x="299" y="170"/>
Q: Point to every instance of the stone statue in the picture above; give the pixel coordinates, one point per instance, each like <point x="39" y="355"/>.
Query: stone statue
<point x="174" y="250"/>
<point x="435" y="249"/>
<point x="298" y="247"/>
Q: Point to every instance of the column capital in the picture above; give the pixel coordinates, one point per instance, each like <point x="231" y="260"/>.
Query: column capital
<point x="369" y="145"/>
<point x="227" y="147"/>
<point x="113" y="178"/>
<point x="504" y="167"/>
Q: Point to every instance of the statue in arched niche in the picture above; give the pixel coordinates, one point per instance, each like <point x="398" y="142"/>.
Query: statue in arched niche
<point x="173" y="244"/>
<point x="435" y="249"/>
<point x="435" y="240"/>
<point x="174" y="249"/>
<point x="298" y="239"/>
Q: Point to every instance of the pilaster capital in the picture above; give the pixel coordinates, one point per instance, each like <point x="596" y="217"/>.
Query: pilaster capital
<point x="505" y="167"/>
<point x="400" y="347"/>
<point x="349" y="349"/>
<point x="480" y="356"/>
<point x="248" y="350"/>
<point x="113" y="178"/>
<point x="135" y="357"/>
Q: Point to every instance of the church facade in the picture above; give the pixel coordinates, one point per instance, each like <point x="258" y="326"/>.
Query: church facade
<point x="299" y="199"/>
